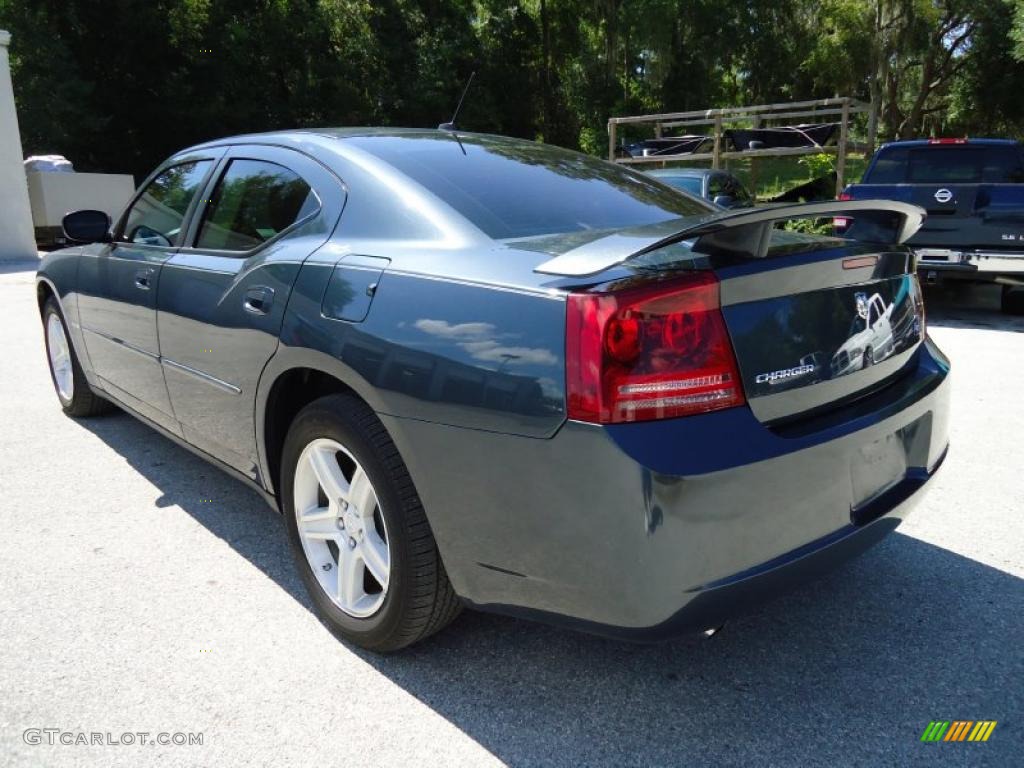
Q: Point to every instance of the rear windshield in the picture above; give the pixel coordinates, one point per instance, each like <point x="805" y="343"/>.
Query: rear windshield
<point x="516" y="189"/>
<point x="947" y="165"/>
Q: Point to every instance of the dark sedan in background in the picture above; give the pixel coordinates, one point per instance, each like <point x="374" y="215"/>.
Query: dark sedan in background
<point x="476" y="370"/>
<point x="720" y="187"/>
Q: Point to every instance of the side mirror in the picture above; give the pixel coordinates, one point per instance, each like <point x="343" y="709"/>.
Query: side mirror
<point x="725" y="201"/>
<point x="87" y="227"/>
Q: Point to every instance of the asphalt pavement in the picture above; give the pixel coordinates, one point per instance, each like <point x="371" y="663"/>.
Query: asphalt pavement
<point x="142" y="591"/>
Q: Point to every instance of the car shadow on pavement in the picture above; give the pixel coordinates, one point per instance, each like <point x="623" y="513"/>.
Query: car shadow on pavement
<point x="845" y="671"/>
<point x="968" y="305"/>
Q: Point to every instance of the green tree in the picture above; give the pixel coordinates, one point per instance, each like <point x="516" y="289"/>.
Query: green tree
<point x="120" y="85"/>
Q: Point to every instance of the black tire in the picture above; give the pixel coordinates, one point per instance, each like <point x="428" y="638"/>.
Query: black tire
<point x="83" y="402"/>
<point x="1012" y="302"/>
<point x="419" y="600"/>
<point x="869" y="357"/>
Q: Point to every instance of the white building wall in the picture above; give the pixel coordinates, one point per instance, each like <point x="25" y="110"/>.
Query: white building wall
<point x="17" y="239"/>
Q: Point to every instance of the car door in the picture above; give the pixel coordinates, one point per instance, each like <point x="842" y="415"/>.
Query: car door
<point x="222" y="296"/>
<point x="118" y="284"/>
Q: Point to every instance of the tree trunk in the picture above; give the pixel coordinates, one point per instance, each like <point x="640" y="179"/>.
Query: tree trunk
<point x="547" y="96"/>
<point x="879" y="60"/>
<point x="892" y="104"/>
<point x="911" y="126"/>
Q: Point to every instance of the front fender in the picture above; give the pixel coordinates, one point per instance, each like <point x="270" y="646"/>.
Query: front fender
<point x="58" y="271"/>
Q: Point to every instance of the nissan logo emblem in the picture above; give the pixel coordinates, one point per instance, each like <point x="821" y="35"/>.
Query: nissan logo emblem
<point x="943" y="195"/>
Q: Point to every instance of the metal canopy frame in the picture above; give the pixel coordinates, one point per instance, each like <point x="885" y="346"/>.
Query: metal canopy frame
<point x="842" y="107"/>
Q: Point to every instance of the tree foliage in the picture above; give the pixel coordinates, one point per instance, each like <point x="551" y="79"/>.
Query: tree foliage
<point x="119" y="85"/>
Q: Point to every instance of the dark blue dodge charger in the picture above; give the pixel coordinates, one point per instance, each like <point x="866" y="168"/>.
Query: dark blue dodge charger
<point x="471" y="370"/>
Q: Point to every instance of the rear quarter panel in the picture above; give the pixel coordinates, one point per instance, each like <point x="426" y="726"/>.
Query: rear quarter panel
<point x="437" y="350"/>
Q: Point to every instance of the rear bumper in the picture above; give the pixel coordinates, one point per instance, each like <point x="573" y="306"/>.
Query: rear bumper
<point x="646" y="530"/>
<point x="980" y="265"/>
<point x="711" y="605"/>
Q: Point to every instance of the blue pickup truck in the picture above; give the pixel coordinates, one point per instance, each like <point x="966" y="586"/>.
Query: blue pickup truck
<point x="973" y="190"/>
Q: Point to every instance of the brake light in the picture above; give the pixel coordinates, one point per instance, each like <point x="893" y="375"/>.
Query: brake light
<point x="947" y="141"/>
<point x="652" y="352"/>
<point x="842" y="222"/>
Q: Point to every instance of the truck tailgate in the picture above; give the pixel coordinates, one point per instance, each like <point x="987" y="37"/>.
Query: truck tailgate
<point x="987" y="216"/>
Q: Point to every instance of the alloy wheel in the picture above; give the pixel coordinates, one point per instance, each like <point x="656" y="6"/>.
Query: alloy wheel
<point x="342" y="530"/>
<point x="60" y="358"/>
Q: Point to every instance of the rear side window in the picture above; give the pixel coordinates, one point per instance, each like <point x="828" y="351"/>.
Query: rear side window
<point x="948" y="165"/>
<point x="156" y="216"/>
<point x="515" y="189"/>
<point x="254" y="201"/>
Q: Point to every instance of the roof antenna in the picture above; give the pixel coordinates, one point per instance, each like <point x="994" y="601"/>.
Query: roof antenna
<point x="450" y="125"/>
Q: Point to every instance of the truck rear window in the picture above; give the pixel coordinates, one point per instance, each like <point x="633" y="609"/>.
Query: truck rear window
<point x="947" y="165"/>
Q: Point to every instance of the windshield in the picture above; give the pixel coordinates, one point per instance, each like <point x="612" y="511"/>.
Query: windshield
<point x="517" y="189"/>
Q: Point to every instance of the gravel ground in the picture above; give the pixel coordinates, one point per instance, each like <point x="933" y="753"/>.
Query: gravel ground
<point x="142" y="590"/>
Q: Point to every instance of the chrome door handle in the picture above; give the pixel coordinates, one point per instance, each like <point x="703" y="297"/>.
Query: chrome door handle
<point x="258" y="300"/>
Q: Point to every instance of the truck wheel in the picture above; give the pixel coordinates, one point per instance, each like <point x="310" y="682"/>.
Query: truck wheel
<point x="73" y="390"/>
<point x="1013" y="300"/>
<point x="357" y="527"/>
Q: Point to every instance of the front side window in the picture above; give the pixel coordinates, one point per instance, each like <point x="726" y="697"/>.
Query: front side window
<point x="157" y="216"/>
<point x="736" y="191"/>
<point x="254" y="201"/>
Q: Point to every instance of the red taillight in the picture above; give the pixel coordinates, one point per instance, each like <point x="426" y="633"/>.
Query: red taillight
<point x="947" y="141"/>
<point x="649" y="353"/>
<point x="842" y="222"/>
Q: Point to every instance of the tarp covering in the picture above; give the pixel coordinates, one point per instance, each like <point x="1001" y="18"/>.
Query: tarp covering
<point x="783" y="136"/>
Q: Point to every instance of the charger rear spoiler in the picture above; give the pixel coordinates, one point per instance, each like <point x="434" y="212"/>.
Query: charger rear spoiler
<point x="746" y="233"/>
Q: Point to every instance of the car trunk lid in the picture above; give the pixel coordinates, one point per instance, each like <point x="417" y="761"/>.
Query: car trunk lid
<point x="820" y="323"/>
<point x="813" y="320"/>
